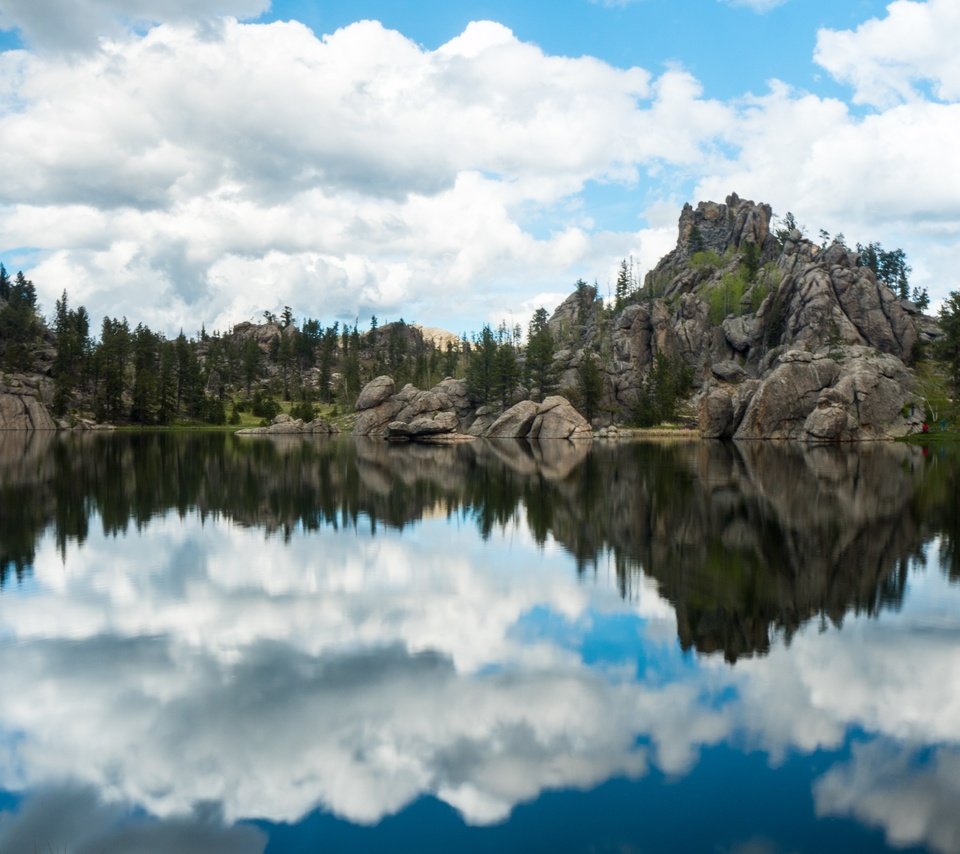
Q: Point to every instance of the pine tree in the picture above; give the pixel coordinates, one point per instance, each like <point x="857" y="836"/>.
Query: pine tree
<point x="506" y="372"/>
<point x="19" y="324"/>
<point x="539" y="356"/>
<point x="73" y="346"/>
<point x="589" y="385"/>
<point x="622" y="289"/>
<point x="145" y="408"/>
<point x="481" y="367"/>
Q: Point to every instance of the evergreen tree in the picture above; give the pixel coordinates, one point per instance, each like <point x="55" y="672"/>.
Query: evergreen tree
<point x="73" y="347"/>
<point x="540" y="350"/>
<point x="482" y="366"/>
<point x="451" y="358"/>
<point x="506" y="372"/>
<point x="19" y="325"/>
<point x="948" y="346"/>
<point x="622" y="288"/>
<point x="145" y="408"/>
<point x="4" y="283"/>
<point x="252" y="364"/>
<point x="286" y="357"/>
<point x="328" y="350"/>
<point x="167" y="384"/>
<point x="589" y="385"/>
<point x="112" y="357"/>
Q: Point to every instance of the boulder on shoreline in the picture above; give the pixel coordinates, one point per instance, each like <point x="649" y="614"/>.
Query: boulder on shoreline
<point x="445" y="414"/>
<point x="284" y="425"/>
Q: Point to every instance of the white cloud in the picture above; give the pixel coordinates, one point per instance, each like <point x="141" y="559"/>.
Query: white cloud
<point x="912" y="797"/>
<point x="366" y="673"/>
<point x="759" y="6"/>
<point x="886" y="59"/>
<point x="374" y="174"/>
<point x="360" y="173"/>
<point x="73" y="24"/>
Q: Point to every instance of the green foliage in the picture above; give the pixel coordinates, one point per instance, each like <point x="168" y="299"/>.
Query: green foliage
<point x="706" y="259"/>
<point x="303" y="409"/>
<point x="751" y="261"/>
<point x="622" y="287"/>
<point x="540" y="350"/>
<point x="70" y="368"/>
<point x="726" y="297"/>
<point x="667" y="382"/>
<point x="695" y="241"/>
<point x="787" y="224"/>
<point x="889" y="266"/>
<point x="776" y="323"/>
<point x="948" y="346"/>
<point x="264" y="406"/>
<point x="214" y="412"/>
<point x="482" y="367"/>
<point x="19" y="324"/>
<point x="589" y="386"/>
<point x="507" y="372"/>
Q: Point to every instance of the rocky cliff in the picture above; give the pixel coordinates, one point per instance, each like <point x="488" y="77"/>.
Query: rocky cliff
<point x="445" y="414"/>
<point x="782" y="338"/>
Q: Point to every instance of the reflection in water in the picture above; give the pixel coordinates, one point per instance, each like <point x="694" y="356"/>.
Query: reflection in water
<point x="745" y="541"/>
<point x="213" y="629"/>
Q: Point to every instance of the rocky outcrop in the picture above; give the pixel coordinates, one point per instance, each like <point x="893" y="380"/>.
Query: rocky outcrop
<point x="375" y="392"/>
<point x="781" y="338"/>
<point x="284" y="425"/>
<point x="444" y="414"/>
<point x="856" y="394"/>
<point x="21" y="404"/>
<point x="515" y="423"/>
<point x="557" y="419"/>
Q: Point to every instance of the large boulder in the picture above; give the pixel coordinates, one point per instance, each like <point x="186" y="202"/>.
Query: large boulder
<point x="285" y="425"/>
<point x="847" y="394"/>
<point x="716" y="415"/>
<point x="422" y="427"/>
<point x="373" y="421"/>
<point x="375" y="392"/>
<point x="21" y="404"/>
<point x="516" y="422"/>
<point x="557" y="419"/>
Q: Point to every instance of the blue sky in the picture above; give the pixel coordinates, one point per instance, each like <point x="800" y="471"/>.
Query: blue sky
<point x="452" y="163"/>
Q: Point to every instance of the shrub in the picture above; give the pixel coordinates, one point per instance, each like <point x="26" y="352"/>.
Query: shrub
<point x="264" y="406"/>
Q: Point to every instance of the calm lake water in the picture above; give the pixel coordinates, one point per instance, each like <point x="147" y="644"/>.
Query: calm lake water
<point x="220" y="644"/>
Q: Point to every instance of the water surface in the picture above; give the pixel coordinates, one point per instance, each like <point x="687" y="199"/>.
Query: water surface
<point x="214" y="643"/>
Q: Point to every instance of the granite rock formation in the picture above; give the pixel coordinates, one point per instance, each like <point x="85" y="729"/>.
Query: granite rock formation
<point x="782" y="338"/>
<point x="445" y="414"/>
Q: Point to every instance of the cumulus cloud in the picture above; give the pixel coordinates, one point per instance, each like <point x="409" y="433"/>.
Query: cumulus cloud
<point x="360" y="677"/>
<point x="363" y="675"/>
<point x="79" y="24"/>
<point x="910" y="793"/>
<point x="361" y="173"/>
<point x="74" y="818"/>
<point x="886" y="60"/>
<point x="375" y="173"/>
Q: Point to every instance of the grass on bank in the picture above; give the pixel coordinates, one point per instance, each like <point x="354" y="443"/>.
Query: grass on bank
<point x="328" y="411"/>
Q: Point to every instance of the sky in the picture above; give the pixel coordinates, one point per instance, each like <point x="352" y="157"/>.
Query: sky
<point x="453" y="163"/>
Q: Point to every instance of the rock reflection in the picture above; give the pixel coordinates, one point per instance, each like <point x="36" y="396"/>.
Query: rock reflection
<point x="745" y="541"/>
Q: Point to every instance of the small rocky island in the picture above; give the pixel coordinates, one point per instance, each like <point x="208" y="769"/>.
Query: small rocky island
<point x="740" y="332"/>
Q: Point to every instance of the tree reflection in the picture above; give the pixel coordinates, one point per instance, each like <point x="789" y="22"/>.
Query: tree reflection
<point x="746" y="541"/>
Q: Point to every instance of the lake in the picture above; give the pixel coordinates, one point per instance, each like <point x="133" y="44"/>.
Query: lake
<point x="214" y="643"/>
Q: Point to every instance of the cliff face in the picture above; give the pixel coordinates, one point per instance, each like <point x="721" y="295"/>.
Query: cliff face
<point x="784" y="339"/>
